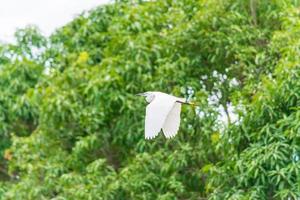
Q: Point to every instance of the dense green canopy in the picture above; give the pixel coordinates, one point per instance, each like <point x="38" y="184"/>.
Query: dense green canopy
<point x="72" y="128"/>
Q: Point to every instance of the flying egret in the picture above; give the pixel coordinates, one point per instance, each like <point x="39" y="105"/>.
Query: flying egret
<point x="162" y="112"/>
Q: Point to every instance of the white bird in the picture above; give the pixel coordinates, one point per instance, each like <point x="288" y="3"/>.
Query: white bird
<point x="162" y="112"/>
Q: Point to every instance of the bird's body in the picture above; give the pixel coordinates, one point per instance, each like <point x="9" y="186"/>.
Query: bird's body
<point x="162" y="112"/>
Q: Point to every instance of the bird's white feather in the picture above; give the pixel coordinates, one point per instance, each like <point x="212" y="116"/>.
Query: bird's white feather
<point x="157" y="112"/>
<point x="172" y="122"/>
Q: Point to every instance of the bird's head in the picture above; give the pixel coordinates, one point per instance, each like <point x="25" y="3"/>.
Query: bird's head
<point x="149" y="96"/>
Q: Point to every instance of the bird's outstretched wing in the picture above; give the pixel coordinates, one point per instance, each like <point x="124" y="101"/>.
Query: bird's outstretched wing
<point x="172" y="122"/>
<point x="156" y="114"/>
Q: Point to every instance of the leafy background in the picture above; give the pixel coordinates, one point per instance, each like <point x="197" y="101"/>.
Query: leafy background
<point x="72" y="128"/>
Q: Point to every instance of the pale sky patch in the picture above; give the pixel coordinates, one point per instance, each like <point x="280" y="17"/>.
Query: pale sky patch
<point x="46" y="14"/>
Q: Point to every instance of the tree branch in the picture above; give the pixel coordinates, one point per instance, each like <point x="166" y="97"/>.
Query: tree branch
<point x="253" y="9"/>
<point x="4" y="172"/>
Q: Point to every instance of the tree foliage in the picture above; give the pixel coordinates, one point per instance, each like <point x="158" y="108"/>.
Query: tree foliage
<point x="72" y="127"/>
